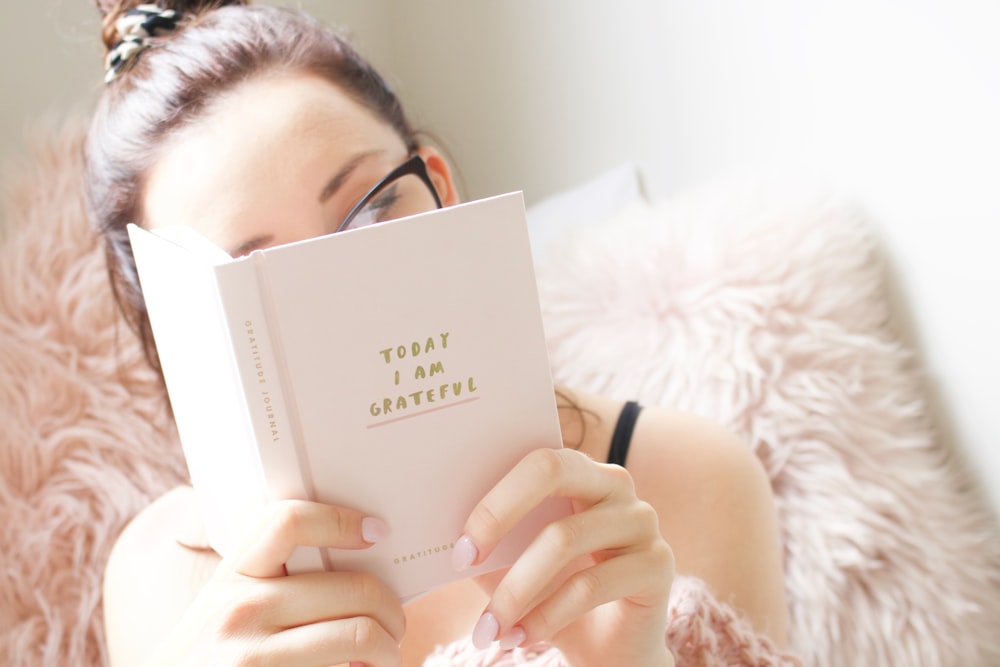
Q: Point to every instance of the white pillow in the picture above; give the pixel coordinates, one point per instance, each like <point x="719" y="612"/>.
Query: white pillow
<point x="592" y="202"/>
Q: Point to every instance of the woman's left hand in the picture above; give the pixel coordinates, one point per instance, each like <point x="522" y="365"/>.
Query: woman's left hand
<point x="595" y="584"/>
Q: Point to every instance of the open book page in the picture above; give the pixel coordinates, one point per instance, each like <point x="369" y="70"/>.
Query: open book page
<point x="195" y="348"/>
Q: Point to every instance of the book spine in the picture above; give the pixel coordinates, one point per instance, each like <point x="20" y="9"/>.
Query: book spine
<point x="256" y="356"/>
<point x="303" y="559"/>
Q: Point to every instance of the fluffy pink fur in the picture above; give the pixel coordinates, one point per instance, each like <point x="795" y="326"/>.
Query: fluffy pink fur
<point x="768" y="313"/>
<point x="701" y="632"/>
<point x="85" y="441"/>
<point x="776" y="325"/>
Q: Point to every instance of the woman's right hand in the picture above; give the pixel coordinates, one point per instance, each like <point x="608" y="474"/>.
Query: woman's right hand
<point x="250" y="612"/>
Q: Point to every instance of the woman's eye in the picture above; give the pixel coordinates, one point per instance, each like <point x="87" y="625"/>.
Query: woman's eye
<point x="390" y="203"/>
<point x="382" y="204"/>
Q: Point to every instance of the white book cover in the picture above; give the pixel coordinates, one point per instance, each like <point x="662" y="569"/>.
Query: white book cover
<point x="399" y="369"/>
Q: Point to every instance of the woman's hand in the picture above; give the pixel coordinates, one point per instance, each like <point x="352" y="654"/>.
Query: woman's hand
<point x="595" y="584"/>
<point x="251" y="613"/>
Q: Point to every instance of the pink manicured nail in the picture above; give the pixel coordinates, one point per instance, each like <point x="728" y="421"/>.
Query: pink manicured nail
<point x="373" y="530"/>
<point x="485" y="632"/>
<point x="513" y="638"/>
<point x="464" y="554"/>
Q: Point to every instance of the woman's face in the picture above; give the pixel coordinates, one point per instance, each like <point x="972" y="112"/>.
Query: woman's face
<point x="277" y="160"/>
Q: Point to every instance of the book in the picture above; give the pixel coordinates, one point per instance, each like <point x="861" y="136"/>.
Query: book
<point x="399" y="369"/>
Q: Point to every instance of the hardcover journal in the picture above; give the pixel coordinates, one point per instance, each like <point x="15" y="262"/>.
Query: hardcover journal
<point x="399" y="369"/>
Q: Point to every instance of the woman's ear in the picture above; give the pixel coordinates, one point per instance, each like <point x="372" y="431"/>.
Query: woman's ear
<point x="440" y="173"/>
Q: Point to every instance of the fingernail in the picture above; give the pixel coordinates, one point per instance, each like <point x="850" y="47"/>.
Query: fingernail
<point x="373" y="530"/>
<point x="514" y="638"/>
<point x="355" y="663"/>
<point x="485" y="631"/>
<point x="464" y="553"/>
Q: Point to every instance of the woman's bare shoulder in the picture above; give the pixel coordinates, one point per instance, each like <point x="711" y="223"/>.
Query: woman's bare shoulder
<point x="677" y="443"/>
<point x="676" y="459"/>
<point x="156" y="568"/>
<point x="711" y="493"/>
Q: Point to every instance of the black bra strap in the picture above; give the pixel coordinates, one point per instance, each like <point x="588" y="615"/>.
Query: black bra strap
<point x="622" y="436"/>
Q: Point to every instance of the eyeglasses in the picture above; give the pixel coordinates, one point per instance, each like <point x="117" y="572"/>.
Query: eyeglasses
<point x="406" y="190"/>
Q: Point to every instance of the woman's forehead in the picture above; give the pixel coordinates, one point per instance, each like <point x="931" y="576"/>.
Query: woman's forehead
<point x="270" y="143"/>
<point x="268" y="129"/>
<point x="291" y="108"/>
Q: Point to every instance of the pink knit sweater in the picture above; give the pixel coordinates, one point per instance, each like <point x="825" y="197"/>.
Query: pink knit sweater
<point x="701" y="631"/>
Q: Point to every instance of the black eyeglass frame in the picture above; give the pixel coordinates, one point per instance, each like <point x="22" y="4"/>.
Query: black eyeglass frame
<point x="414" y="165"/>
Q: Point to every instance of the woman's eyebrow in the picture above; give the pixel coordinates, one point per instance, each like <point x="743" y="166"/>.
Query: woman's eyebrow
<point x="345" y="171"/>
<point x="329" y="190"/>
<point x="252" y="244"/>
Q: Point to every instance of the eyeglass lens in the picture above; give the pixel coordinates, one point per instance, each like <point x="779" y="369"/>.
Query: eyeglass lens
<point x="403" y="196"/>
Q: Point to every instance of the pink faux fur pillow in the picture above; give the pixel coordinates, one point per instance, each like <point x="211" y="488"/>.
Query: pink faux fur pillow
<point x="769" y="314"/>
<point x="85" y="441"/>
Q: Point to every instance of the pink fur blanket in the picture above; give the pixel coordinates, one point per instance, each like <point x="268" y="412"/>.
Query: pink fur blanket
<point x="768" y="317"/>
<point x="86" y="441"/>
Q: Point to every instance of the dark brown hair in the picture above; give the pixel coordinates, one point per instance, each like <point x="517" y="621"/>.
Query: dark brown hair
<point x="173" y="83"/>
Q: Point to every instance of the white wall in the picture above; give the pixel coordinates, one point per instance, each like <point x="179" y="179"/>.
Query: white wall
<point x="49" y="50"/>
<point x="52" y="58"/>
<point x="893" y="102"/>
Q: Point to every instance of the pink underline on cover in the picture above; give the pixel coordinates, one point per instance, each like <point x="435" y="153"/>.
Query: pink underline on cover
<point x="423" y="412"/>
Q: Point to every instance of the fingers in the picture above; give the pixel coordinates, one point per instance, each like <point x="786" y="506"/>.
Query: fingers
<point x="581" y="562"/>
<point x="292" y="523"/>
<point x="249" y="613"/>
<point x="542" y="473"/>
<point x="609" y="549"/>
<point x="602" y="532"/>
<point x="288" y="602"/>
<point x="358" y="640"/>
<point x="637" y="576"/>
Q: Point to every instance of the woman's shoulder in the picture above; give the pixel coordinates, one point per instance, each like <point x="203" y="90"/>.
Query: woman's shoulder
<point x="157" y="566"/>
<point x="674" y="457"/>
<point x="663" y="441"/>
<point x="172" y="519"/>
<point x="711" y="493"/>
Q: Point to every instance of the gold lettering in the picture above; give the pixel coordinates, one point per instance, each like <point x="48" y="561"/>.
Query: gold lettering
<point x="415" y="348"/>
<point x="429" y="551"/>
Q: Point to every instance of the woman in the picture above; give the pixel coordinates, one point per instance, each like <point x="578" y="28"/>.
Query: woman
<point x="258" y="127"/>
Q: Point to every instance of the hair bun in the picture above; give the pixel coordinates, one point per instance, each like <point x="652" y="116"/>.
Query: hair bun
<point x="112" y="10"/>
